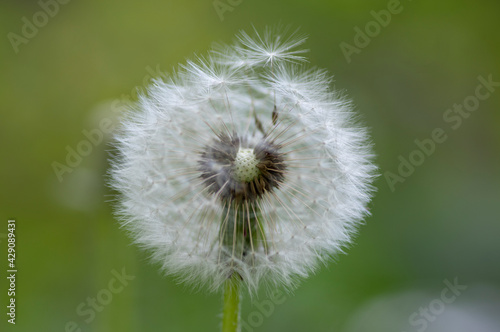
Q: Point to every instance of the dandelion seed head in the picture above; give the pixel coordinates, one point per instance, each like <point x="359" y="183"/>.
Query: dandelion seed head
<point x="243" y="161"/>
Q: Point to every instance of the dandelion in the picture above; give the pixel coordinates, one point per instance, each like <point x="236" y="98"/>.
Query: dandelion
<point x="244" y="168"/>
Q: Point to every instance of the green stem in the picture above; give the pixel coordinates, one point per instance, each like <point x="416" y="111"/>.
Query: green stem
<point x="231" y="308"/>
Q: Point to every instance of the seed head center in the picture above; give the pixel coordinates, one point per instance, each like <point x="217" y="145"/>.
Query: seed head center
<point x="238" y="170"/>
<point x="245" y="165"/>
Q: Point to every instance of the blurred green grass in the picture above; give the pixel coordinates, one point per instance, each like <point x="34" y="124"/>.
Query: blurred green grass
<point x="442" y="222"/>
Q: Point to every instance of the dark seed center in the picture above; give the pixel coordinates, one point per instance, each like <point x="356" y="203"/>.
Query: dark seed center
<point x="230" y="171"/>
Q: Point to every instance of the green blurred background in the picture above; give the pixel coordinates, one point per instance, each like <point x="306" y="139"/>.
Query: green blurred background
<point x="441" y="223"/>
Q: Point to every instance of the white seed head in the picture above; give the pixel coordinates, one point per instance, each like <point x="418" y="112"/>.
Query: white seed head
<point x="243" y="162"/>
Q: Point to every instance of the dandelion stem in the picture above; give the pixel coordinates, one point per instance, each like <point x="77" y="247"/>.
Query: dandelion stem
<point x="231" y="308"/>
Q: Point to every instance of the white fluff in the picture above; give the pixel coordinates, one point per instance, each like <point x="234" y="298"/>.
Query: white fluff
<point x="309" y="218"/>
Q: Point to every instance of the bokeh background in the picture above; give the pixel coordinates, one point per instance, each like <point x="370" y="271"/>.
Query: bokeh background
<point x="441" y="223"/>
